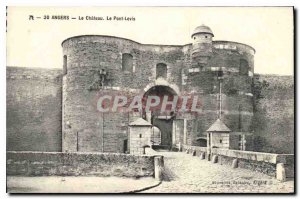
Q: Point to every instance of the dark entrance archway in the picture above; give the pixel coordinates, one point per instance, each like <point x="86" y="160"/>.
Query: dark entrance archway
<point x="163" y="120"/>
<point x="201" y="141"/>
<point x="165" y="125"/>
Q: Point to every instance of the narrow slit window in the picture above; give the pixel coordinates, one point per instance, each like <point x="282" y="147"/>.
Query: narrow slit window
<point x="65" y="68"/>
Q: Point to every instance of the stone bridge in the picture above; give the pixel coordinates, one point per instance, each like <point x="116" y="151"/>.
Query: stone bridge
<point x="228" y="171"/>
<point x="187" y="173"/>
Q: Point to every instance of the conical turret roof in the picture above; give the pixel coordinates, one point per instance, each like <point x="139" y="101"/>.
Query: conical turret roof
<point x="218" y="126"/>
<point x="140" y="122"/>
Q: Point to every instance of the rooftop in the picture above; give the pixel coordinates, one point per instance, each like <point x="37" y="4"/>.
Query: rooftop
<point x="218" y="126"/>
<point x="202" y="29"/>
<point x="140" y="122"/>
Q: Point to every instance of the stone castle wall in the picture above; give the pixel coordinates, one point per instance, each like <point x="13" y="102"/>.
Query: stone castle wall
<point x="33" y="109"/>
<point x="44" y="107"/>
<point x="274" y="117"/>
<point x="88" y="54"/>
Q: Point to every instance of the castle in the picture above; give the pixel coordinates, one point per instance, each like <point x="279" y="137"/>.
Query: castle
<point x="136" y="68"/>
<point x="221" y="73"/>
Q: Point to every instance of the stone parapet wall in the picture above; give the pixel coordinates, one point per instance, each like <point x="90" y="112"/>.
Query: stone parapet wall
<point x="196" y="148"/>
<point x="249" y="155"/>
<point x="257" y="161"/>
<point x="85" y="164"/>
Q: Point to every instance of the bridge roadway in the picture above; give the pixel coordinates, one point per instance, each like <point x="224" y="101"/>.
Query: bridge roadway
<point x="186" y="173"/>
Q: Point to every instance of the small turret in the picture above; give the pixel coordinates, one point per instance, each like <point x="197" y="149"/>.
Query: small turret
<point x="202" y="44"/>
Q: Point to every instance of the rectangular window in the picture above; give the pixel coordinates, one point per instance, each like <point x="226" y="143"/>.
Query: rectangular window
<point x="127" y="62"/>
<point x="161" y="70"/>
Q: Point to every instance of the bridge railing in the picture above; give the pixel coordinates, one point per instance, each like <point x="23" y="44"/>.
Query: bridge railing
<point x="280" y="166"/>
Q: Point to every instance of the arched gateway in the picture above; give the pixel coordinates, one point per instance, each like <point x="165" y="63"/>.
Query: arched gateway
<point x="162" y="115"/>
<point x="98" y="64"/>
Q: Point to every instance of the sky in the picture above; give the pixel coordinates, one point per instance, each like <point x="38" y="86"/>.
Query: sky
<point x="37" y="43"/>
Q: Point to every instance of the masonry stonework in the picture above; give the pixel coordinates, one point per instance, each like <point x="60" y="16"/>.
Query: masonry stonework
<point x="60" y="107"/>
<point x="33" y="113"/>
<point x="75" y="164"/>
<point x="186" y="70"/>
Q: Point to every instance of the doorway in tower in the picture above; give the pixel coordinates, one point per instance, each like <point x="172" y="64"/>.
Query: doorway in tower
<point x="165" y="127"/>
<point x="162" y="120"/>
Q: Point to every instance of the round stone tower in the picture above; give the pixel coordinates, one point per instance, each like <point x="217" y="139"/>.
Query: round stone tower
<point x="202" y="44"/>
<point x="220" y="73"/>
